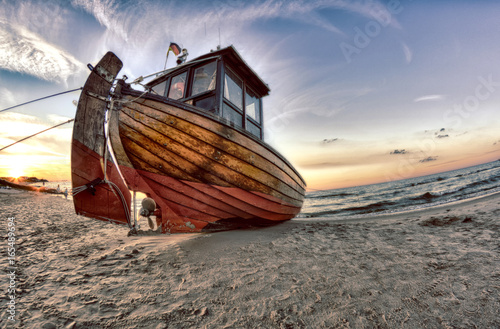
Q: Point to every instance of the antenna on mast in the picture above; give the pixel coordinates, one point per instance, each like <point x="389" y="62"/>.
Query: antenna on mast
<point x="218" y="47"/>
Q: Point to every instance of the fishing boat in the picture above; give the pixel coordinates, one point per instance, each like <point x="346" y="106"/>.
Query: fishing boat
<point x="191" y="141"/>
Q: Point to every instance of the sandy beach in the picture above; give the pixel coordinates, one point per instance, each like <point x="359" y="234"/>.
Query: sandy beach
<point x="438" y="268"/>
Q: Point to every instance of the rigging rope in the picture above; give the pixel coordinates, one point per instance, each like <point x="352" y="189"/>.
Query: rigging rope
<point x="25" y="138"/>
<point x="39" y="99"/>
<point x="36" y="100"/>
<point x="80" y="189"/>
<point x="141" y="78"/>
<point x="113" y="188"/>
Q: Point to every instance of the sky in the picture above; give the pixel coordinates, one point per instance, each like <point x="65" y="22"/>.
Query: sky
<point x="362" y="92"/>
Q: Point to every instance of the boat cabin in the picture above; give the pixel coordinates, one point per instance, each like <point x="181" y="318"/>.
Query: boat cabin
<point x="221" y="83"/>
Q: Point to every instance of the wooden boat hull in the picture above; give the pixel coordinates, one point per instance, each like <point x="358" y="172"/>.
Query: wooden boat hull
<point x="209" y="174"/>
<point x="97" y="199"/>
<point x="203" y="173"/>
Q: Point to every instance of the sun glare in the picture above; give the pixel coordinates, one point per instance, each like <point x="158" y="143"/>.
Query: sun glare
<point x="16" y="172"/>
<point x="18" y="167"/>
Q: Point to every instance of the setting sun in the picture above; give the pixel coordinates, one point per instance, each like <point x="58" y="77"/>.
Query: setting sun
<point x="16" y="173"/>
<point x="17" y="166"/>
<point x="41" y="166"/>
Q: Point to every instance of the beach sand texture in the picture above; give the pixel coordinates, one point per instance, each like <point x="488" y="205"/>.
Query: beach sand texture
<point x="436" y="268"/>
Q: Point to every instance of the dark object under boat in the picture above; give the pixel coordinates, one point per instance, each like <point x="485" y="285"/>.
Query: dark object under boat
<point x="192" y="142"/>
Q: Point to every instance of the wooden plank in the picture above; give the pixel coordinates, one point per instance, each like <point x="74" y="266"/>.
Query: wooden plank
<point x="116" y="144"/>
<point x="221" y="149"/>
<point x="229" y="199"/>
<point x="182" y="136"/>
<point x="254" y="204"/>
<point x="231" y="137"/>
<point x="162" y="161"/>
<point x="183" y="193"/>
<point x="193" y="163"/>
<point x="103" y="204"/>
<point x="88" y="128"/>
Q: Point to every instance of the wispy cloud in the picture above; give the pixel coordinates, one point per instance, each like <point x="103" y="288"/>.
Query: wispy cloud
<point x="152" y="22"/>
<point x="15" y="126"/>
<point x="329" y="140"/>
<point x="319" y="100"/>
<point x="7" y="98"/>
<point x="408" y="53"/>
<point x="26" y="52"/>
<point x="429" y="98"/>
<point x="113" y="14"/>
<point x="369" y="9"/>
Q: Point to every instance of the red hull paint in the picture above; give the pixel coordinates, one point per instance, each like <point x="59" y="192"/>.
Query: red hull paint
<point x="104" y="204"/>
<point x="195" y="207"/>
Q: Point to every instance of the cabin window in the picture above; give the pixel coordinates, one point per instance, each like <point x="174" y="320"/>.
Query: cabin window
<point x="204" y="78"/>
<point x="233" y="89"/>
<point x="159" y="89"/>
<point x="177" y="86"/>
<point x="207" y="103"/>
<point x="232" y="115"/>
<point x="254" y="129"/>
<point x="252" y="106"/>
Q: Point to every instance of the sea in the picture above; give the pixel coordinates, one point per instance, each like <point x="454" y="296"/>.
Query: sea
<point x="390" y="197"/>
<point x="403" y="195"/>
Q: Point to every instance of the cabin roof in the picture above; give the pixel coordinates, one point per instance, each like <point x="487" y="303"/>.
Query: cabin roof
<point x="234" y="60"/>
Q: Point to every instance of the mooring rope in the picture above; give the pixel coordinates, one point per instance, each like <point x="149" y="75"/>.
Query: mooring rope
<point x="36" y="100"/>
<point x="114" y="188"/>
<point x="25" y="138"/>
<point x="39" y="99"/>
<point x="78" y="189"/>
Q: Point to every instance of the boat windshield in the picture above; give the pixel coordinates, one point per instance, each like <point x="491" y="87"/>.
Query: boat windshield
<point x="241" y="105"/>
<point x="204" y="78"/>
<point x="233" y="89"/>
<point x="219" y="88"/>
<point x="252" y="105"/>
<point x="177" y="87"/>
<point x="159" y="89"/>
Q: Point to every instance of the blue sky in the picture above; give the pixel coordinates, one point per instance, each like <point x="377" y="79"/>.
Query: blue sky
<point x="361" y="91"/>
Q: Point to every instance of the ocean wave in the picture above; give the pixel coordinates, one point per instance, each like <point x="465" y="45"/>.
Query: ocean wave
<point x="429" y="181"/>
<point x="320" y="213"/>
<point x="484" y="182"/>
<point x="333" y="195"/>
<point x="373" y="207"/>
<point x="398" y="196"/>
<point x="427" y="196"/>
